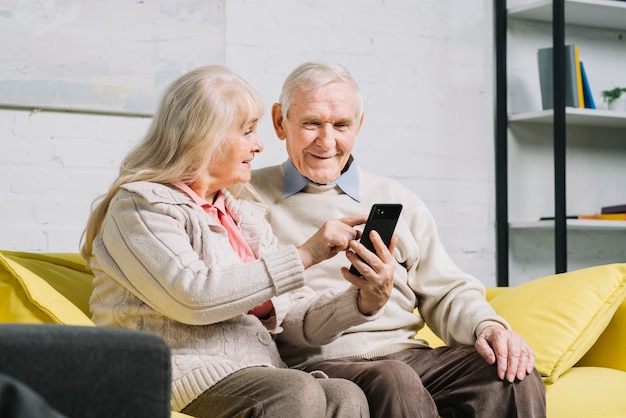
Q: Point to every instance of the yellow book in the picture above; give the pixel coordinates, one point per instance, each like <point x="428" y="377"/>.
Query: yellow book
<point x="579" y="79"/>
<point x="605" y="216"/>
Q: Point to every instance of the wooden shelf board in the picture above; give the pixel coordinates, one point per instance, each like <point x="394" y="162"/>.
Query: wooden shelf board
<point x="575" y="116"/>
<point x="607" y="14"/>
<point x="573" y="224"/>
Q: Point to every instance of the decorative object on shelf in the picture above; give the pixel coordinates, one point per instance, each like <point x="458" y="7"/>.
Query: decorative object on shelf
<point x="614" y="100"/>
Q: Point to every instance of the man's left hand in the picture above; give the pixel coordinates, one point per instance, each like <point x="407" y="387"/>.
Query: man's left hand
<point x="513" y="356"/>
<point x="378" y="269"/>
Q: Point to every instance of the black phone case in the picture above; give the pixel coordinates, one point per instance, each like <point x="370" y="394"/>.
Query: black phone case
<point x="383" y="218"/>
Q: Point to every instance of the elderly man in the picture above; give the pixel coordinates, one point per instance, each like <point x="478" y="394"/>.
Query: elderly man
<point x="487" y="370"/>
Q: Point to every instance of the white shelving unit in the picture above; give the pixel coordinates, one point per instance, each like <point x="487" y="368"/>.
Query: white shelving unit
<point x="603" y="15"/>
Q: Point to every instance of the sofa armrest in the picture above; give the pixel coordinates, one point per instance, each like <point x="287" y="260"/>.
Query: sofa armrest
<point x="608" y="350"/>
<point x="90" y="371"/>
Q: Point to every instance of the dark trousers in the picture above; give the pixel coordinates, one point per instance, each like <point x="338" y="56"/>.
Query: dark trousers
<point x="445" y="381"/>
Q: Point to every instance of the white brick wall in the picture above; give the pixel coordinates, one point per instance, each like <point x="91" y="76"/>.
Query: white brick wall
<point x="425" y="68"/>
<point x="52" y="167"/>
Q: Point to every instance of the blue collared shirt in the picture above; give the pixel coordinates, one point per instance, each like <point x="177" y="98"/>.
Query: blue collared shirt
<point x="348" y="181"/>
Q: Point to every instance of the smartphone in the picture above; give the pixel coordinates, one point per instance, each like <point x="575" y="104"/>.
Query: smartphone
<point x="383" y="218"/>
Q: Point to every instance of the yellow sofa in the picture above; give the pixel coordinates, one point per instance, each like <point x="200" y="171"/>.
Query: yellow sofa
<point x="575" y="322"/>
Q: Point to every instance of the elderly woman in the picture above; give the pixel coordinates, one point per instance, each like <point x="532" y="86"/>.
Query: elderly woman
<point x="175" y="253"/>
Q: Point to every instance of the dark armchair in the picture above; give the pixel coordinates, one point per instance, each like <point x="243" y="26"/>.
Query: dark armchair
<point x="84" y="371"/>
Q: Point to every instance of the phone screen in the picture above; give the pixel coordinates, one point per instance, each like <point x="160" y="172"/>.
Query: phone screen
<point x="383" y="218"/>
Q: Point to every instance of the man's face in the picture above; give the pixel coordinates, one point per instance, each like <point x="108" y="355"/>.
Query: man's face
<point x="320" y="130"/>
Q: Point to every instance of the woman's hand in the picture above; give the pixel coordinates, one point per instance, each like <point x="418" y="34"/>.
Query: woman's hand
<point x="378" y="268"/>
<point x="334" y="236"/>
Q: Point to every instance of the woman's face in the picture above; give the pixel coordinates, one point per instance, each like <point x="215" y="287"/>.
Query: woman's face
<point x="232" y="166"/>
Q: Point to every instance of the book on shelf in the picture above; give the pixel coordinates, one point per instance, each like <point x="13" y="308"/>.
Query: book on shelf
<point x="598" y="216"/>
<point x="574" y="96"/>
<point x="587" y="95"/>
<point x="551" y="218"/>
<point x="605" y="216"/>
<point x="613" y="209"/>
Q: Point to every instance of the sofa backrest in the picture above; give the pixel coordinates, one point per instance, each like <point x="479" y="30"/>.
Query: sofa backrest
<point x="55" y="288"/>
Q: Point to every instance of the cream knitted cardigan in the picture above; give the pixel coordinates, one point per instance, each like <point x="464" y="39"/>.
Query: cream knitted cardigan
<point x="162" y="265"/>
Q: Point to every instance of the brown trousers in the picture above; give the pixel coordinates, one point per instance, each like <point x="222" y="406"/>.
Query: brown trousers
<point x="445" y="381"/>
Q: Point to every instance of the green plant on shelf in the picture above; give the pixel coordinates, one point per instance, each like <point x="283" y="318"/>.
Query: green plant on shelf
<point x="609" y="96"/>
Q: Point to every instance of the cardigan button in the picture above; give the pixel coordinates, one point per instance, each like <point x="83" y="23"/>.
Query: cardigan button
<point x="264" y="337"/>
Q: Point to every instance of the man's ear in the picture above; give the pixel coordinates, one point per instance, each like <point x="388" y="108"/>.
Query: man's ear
<point x="277" y="120"/>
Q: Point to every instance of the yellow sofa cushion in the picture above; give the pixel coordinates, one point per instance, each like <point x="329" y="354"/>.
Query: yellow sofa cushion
<point x="587" y="392"/>
<point x="561" y="316"/>
<point x="44" y="288"/>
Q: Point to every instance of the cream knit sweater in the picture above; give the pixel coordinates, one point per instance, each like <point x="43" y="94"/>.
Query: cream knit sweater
<point x="451" y="302"/>
<point x="163" y="265"/>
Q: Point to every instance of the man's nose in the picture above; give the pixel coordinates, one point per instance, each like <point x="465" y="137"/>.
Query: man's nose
<point x="326" y="135"/>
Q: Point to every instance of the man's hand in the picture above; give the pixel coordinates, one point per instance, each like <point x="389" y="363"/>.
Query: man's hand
<point x="511" y="353"/>
<point x="378" y="268"/>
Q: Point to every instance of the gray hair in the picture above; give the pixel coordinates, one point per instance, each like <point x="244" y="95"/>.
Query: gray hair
<point x="313" y="75"/>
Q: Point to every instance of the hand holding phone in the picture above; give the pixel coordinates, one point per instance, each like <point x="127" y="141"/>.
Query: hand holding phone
<point x="383" y="218"/>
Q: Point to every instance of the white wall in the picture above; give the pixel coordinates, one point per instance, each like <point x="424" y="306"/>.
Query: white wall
<point x="425" y="68"/>
<point x="113" y="55"/>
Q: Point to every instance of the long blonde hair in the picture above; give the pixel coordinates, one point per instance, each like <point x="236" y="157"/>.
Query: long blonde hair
<point x="188" y="130"/>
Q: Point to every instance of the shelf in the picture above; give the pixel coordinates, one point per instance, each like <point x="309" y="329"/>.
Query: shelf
<point x="573" y="224"/>
<point x="607" y="14"/>
<point x="575" y="117"/>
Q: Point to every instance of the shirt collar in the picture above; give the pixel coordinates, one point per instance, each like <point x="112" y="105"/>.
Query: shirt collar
<point x="220" y="201"/>
<point x="348" y="181"/>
